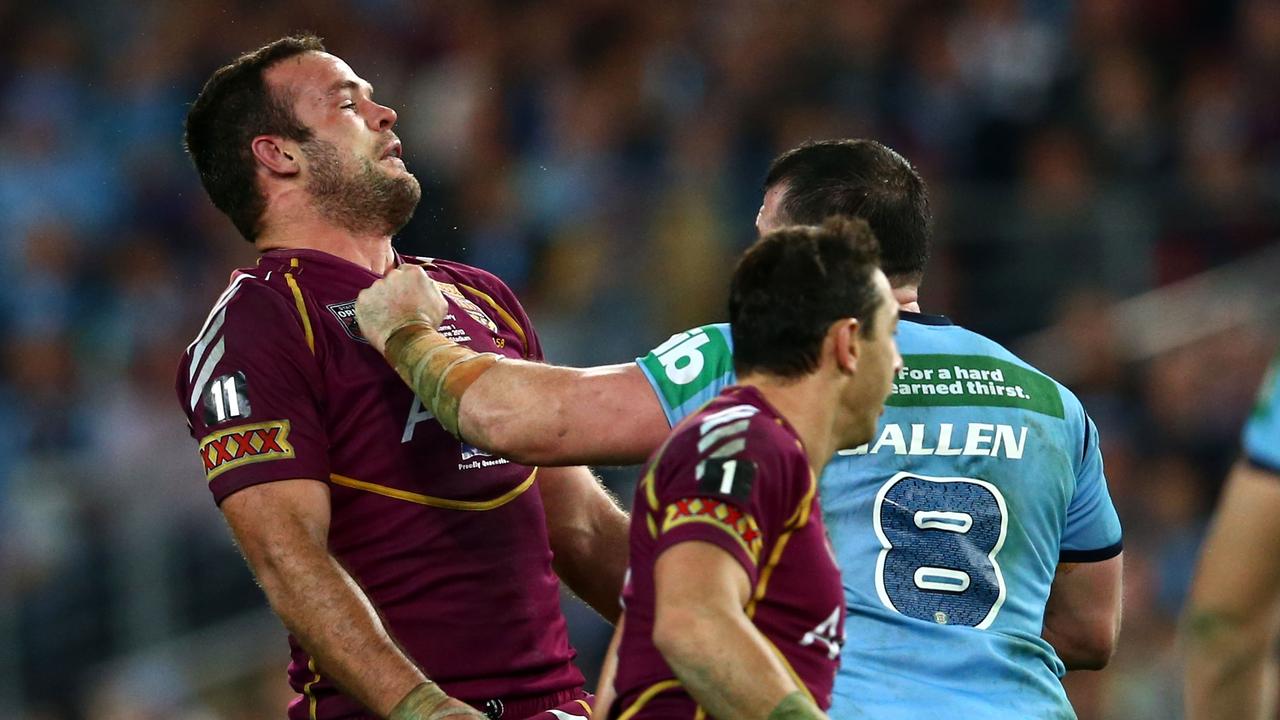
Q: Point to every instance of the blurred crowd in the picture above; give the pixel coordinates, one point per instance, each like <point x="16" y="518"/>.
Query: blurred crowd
<point x="604" y="157"/>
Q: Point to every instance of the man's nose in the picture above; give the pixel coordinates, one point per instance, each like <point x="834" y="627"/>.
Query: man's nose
<point x="383" y="118"/>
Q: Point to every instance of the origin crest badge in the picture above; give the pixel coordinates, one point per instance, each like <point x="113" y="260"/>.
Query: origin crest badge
<point x="345" y="312"/>
<point x="465" y="303"/>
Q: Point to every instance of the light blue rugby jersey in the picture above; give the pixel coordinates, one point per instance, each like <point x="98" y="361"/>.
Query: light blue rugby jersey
<point x="1262" y="432"/>
<point x="948" y="526"/>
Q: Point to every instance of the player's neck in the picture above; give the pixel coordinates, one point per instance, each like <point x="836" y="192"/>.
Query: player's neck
<point x="811" y="408"/>
<point x="371" y="251"/>
<point x="908" y="296"/>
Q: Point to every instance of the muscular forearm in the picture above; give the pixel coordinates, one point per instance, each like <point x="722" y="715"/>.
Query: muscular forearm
<point x="729" y="668"/>
<point x="517" y="410"/>
<point x="548" y="415"/>
<point x="587" y="532"/>
<point x="512" y="409"/>
<point x="1231" y="668"/>
<point x="594" y="569"/>
<point x="531" y="413"/>
<point x="329" y="614"/>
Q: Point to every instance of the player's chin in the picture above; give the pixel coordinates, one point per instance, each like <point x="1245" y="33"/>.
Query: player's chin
<point x="394" y="166"/>
<point x="866" y="431"/>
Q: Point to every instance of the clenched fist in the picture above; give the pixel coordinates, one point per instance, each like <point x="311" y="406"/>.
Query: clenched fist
<point x="402" y="295"/>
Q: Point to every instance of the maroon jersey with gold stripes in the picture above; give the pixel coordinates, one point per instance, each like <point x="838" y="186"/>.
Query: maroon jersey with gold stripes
<point x="734" y="475"/>
<point x="450" y="544"/>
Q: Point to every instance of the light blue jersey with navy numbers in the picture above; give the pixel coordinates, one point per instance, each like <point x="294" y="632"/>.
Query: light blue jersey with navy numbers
<point x="949" y="525"/>
<point x="1262" y="432"/>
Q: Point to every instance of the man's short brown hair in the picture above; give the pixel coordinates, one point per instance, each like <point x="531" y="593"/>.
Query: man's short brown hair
<point x="792" y="284"/>
<point x="234" y="107"/>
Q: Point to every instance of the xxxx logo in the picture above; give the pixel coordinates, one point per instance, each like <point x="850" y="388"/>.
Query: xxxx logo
<point x="245" y="444"/>
<point x="721" y="514"/>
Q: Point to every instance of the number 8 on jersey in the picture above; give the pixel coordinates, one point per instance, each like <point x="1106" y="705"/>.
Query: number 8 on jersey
<point x="940" y="538"/>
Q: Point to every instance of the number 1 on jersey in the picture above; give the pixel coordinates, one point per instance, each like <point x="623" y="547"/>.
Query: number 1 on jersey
<point x="726" y="480"/>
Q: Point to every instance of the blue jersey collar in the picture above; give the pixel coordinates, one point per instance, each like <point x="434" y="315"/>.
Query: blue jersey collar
<point x="924" y="319"/>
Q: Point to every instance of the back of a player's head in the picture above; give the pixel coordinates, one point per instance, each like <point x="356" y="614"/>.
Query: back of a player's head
<point x="791" y="285"/>
<point x="861" y="179"/>
<point x="235" y="106"/>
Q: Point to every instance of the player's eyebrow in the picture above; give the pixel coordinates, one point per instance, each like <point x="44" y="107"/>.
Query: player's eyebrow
<point x="350" y="85"/>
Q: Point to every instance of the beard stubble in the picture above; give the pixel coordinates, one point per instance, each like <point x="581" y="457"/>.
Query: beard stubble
<point x="367" y="201"/>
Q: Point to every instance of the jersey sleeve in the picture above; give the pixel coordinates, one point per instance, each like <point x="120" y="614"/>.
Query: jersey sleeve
<point x="690" y="369"/>
<point x="1092" y="532"/>
<point x="248" y="387"/>
<point x="1262" y="431"/>
<point x="728" y="483"/>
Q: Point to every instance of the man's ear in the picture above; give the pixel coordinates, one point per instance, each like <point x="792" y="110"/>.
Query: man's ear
<point x="845" y="335"/>
<point x="271" y="153"/>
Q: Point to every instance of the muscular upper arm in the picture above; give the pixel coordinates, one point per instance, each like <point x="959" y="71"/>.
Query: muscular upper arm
<point x="546" y="415"/>
<point x="587" y="532"/>
<point x="693" y="578"/>
<point x="574" y="499"/>
<point x="272" y="520"/>
<point x="1230" y="589"/>
<point x="1082" y="616"/>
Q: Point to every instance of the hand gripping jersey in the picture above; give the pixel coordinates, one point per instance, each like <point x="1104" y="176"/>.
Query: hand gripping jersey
<point x="449" y="543"/>
<point x="733" y="475"/>
<point x="1262" y="432"/>
<point x="948" y="526"/>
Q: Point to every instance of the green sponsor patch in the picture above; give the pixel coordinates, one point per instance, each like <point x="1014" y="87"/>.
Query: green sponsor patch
<point x="1267" y="393"/>
<point x="689" y="363"/>
<point x="968" y="380"/>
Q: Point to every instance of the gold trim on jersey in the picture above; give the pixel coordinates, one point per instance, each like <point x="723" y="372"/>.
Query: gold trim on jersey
<point x="651" y="492"/>
<point x="798" y="519"/>
<point x="307" y="689"/>
<point x="436" y="502"/>
<point x="795" y="676"/>
<point x="737" y="524"/>
<point x="302" y="307"/>
<point x="585" y="706"/>
<point x="502" y="313"/>
<point x="649" y="693"/>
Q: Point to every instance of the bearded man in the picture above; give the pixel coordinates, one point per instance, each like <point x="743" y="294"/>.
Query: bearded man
<point x="414" y="572"/>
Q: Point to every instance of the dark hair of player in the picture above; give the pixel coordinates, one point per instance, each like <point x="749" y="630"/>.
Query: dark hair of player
<point x="791" y="285"/>
<point x="861" y="179"/>
<point x="235" y="106"/>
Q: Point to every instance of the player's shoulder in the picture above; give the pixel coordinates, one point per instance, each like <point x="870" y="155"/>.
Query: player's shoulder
<point x="259" y="294"/>
<point x="723" y="449"/>
<point x="935" y="334"/>
<point x="461" y="274"/>
<point x="737" y="424"/>
<point x="256" y="303"/>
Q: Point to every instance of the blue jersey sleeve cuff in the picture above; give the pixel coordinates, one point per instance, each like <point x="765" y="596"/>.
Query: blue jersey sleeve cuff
<point x="1264" y="465"/>
<point x="672" y="416"/>
<point x="1091" y="556"/>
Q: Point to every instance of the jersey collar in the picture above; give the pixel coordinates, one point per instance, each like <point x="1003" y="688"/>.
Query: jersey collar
<point x="924" y="319"/>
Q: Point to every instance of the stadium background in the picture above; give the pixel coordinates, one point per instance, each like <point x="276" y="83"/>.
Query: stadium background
<point x="604" y="157"/>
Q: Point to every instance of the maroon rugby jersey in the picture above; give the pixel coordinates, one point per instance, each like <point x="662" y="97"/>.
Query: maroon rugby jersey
<point x="449" y="544"/>
<point x="734" y="475"/>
